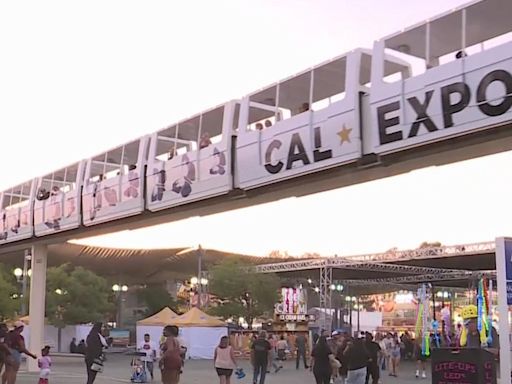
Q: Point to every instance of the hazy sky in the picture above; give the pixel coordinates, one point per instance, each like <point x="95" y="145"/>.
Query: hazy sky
<point x="77" y="78"/>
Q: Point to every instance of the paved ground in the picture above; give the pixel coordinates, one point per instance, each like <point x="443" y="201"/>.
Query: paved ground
<point x="71" y="370"/>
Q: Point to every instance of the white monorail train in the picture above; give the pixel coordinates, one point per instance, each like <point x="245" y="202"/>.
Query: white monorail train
<point x="442" y="78"/>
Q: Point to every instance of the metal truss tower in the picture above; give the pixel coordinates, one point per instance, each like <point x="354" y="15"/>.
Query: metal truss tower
<point x="325" y="296"/>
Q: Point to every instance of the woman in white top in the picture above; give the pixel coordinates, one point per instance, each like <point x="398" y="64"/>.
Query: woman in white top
<point x="224" y="360"/>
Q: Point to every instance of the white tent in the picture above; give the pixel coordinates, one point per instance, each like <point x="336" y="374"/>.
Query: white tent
<point x="200" y="333"/>
<point x="155" y="324"/>
<point x="79" y="332"/>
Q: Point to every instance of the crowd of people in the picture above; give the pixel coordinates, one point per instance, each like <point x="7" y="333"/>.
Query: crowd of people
<point x="335" y="357"/>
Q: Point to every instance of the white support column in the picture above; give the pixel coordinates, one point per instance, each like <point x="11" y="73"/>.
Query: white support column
<point x="37" y="303"/>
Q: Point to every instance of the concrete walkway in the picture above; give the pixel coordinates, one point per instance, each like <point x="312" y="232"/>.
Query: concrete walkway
<point x="71" y="370"/>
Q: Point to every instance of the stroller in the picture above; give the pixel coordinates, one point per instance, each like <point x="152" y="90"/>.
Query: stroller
<point x="139" y="368"/>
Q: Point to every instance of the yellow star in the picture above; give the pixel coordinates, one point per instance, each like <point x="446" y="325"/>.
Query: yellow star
<point x="344" y="134"/>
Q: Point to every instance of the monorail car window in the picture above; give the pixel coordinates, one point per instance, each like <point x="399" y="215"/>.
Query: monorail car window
<point x="211" y="127"/>
<point x="294" y="95"/>
<point x="329" y="84"/>
<point x="236" y="117"/>
<point x="57" y="200"/>
<point x="15" y="215"/>
<point x="263" y="109"/>
<point x="188" y="135"/>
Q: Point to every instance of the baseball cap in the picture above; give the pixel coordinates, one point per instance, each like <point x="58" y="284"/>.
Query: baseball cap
<point x="335" y="333"/>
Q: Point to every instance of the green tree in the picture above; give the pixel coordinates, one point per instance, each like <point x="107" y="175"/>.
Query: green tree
<point x="426" y="244"/>
<point x="76" y="296"/>
<point x="156" y="298"/>
<point x="244" y="293"/>
<point x="8" y="304"/>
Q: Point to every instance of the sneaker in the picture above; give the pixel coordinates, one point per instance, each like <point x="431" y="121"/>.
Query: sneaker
<point x="423" y="375"/>
<point x="417" y="373"/>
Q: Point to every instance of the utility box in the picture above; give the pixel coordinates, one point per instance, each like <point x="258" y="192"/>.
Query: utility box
<point x="463" y="366"/>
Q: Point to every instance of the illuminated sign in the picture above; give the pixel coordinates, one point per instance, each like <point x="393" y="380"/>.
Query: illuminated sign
<point x="293" y="302"/>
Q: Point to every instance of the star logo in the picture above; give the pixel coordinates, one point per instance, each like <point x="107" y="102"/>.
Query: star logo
<point x="344" y="134"/>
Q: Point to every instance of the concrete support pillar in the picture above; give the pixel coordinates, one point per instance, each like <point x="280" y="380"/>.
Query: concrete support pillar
<point x="37" y="303"/>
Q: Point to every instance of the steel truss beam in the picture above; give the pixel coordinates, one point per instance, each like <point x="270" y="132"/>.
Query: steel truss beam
<point x="380" y="261"/>
<point x="429" y="253"/>
<point x="456" y="275"/>
<point x="344" y="263"/>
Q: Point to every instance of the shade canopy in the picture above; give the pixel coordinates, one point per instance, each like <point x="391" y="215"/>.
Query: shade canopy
<point x="197" y="318"/>
<point x="165" y="317"/>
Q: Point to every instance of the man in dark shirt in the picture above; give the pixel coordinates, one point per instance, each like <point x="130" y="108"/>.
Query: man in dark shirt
<point x="259" y="357"/>
<point x="357" y="361"/>
<point x="300" y="343"/>
<point x="373" y="350"/>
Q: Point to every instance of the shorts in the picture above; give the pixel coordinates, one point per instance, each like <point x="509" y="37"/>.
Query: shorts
<point x="16" y="355"/>
<point x="224" y="372"/>
<point x="44" y="374"/>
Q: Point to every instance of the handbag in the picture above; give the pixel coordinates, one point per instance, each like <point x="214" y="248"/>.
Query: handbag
<point x="97" y="365"/>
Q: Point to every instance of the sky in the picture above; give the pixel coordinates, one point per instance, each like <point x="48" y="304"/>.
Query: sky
<point x="78" y="78"/>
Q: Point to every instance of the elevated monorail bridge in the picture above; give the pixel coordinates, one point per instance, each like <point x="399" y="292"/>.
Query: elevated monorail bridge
<point x="435" y="93"/>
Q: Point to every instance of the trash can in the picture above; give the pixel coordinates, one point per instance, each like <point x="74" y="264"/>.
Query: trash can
<point x="463" y="366"/>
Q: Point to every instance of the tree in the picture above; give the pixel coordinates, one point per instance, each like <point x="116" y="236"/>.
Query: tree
<point x="244" y="292"/>
<point x="156" y="298"/>
<point x="426" y="244"/>
<point x="75" y="296"/>
<point x="8" y="304"/>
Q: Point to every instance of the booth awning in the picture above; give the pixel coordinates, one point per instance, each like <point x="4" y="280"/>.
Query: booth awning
<point x="197" y="318"/>
<point x="165" y="317"/>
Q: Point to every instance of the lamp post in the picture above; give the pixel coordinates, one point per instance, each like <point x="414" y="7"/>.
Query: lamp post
<point x="200" y="254"/>
<point x="22" y="276"/>
<point x="199" y="285"/>
<point x="337" y="288"/>
<point x="119" y="289"/>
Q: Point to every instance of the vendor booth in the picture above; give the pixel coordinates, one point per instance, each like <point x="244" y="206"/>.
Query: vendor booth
<point x="155" y="324"/>
<point x="200" y="333"/>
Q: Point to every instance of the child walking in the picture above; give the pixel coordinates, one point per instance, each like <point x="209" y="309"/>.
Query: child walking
<point x="44" y="363"/>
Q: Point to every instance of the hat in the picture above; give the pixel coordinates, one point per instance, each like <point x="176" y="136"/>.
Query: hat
<point x="18" y="324"/>
<point x="470" y="312"/>
<point x="335" y="333"/>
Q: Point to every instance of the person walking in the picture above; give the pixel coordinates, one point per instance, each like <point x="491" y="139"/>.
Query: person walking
<point x="171" y="362"/>
<point x="224" y="360"/>
<point x="260" y="354"/>
<point x="301" y="346"/>
<point x="93" y="351"/>
<point x="44" y="363"/>
<point x="149" y="348"/>
<point x="16" y="344"/>
<point x="374" y="352"/>
<point x="357" y="359"/>
<point x="321" y="361"/>
<point x="5" y="355"/>
<point x="273" y="354"/>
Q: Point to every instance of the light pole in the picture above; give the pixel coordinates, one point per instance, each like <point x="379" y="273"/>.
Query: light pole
<point x="350" y="300"/>
<point x="200" y="255"/>
<point x="22" y="276"/>
<point x="337" y="288"/>
<point x="198" y="284"/>
<point x="119" y="289"/>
